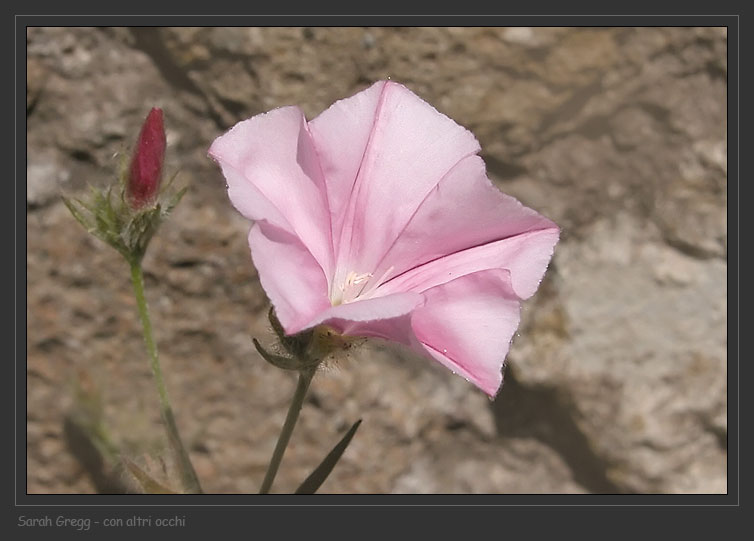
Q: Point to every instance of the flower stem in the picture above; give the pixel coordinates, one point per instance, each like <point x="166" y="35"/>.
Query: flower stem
<point x="188" y="474"/>
<point x="304" y="379"/>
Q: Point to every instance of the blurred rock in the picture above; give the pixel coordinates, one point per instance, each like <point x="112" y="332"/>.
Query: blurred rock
<point x="634" y="337"/>
<point x="46" y="176"/>
<point x="616" y="381"/>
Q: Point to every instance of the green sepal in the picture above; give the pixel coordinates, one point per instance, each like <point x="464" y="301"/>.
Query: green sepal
<point x="320" y="474"/>
<point x="173" y="201"/>
<point x="114" y="221"/>
<point x="296" y="344"/>
<point x="286" y="363"/>
<point x="85" y="221"/>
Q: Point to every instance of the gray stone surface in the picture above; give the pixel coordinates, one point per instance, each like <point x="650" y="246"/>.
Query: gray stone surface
<point x="616" y="381"/>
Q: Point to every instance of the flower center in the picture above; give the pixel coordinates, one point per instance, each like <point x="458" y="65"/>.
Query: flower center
<point x="354" y="287"/>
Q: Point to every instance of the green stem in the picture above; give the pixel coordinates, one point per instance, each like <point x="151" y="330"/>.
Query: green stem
<point x="304" y="379"/>
<point x="188" y="474"/>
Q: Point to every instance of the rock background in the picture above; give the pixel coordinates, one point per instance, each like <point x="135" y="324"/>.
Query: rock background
<point x="617" y="380"/>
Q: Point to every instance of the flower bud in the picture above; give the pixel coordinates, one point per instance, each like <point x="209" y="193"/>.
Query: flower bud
<point x="145" y="173"/>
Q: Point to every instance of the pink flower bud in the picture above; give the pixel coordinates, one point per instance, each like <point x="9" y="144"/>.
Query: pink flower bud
<point x="146" y="163"/>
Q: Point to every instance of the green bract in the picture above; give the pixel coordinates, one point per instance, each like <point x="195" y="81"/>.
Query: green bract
<point x="110" y="218"/>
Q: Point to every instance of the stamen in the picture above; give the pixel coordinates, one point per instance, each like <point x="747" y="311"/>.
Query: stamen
<point x="355" y="286"/>
<point x="378" y="283"/>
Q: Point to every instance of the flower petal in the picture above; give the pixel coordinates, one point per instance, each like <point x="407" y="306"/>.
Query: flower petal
<point x="273" y="174"/>
<point x="341" y="134"/>
<point x="396" y="329"/>
<point x="467" y="325"/>
<point x="410" y="147"/>
<point x="465" y="210"/>
<point x="250" y="202"/>
<point x="525" y="256"/>
<point x="291" y="277"/>
<point x="372" y="317"/>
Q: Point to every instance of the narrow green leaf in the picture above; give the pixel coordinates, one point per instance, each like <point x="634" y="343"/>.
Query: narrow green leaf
<point x="149" y="484"/>
<point x="318" y="476"/>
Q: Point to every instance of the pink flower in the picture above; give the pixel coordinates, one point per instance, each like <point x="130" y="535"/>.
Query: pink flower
<point x="145" y="173"/>
<point x="377" y="219"/>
